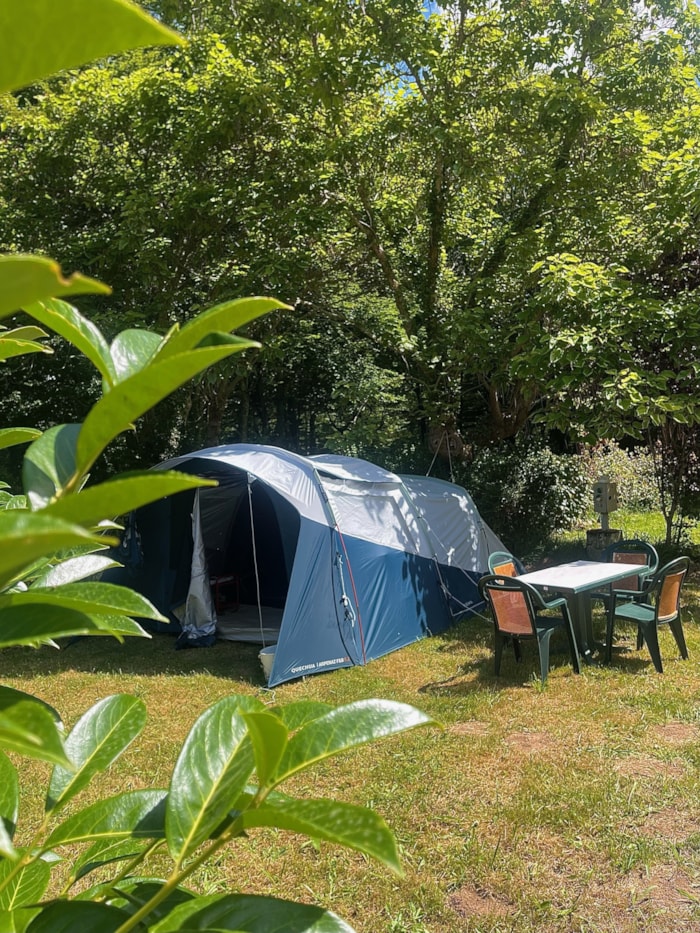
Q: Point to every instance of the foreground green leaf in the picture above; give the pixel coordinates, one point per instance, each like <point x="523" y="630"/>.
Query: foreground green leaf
<point x="138" y="814"/>
<point x="341" y="823"/>
<point x="269" y="737"/>
<point x="123" y="495"/>
<point x="97" y="739"/>
<point x="127" y="401"/>
<point x="246" y="913"/>
<point x="66" y="321"/>
<point x="82" y="916"/>
<point x="9" y="805"/>
<point x="17" y="921"/>
<point x="25" y="887"/>
<point x="41" y="37"/>
<point x="27" y="537"/>
<point x="10" y="437"/>
<point x="347" y="727"/>
<point x="32" y="625"/>
<point x="31" y="727"/>
<point x="131" y="351"/>
<point x="228" y="316"/>
<point x="10" y="348"/>
<point x="211" y="772"/>
<point x="74" y="569"/>
<point x="49" y="464"/>
<point x="89" y="598"/>
<point x="26" y="279"/>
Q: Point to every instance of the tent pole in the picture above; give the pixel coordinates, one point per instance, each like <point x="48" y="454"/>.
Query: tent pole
<point x="255" y="559"/>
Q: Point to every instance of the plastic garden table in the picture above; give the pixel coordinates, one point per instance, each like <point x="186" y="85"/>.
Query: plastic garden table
<point x="576" y="580"/>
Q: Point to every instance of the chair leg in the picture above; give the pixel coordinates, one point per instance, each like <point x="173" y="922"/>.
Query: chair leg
<point x="649" y="633"/>
<point x="498" y="650"/>
<point x="609" y="628"/>
<point x="543" y="645"/>
<point x="575" y="660"/>
<point x="677" y="631"/>
<point x="517" y="649"/>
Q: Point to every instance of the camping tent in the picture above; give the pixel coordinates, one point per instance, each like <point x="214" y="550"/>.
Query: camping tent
<point x="333" y="560"/>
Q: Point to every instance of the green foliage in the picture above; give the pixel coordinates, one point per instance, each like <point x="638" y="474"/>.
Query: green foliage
<point x="225" y="781"/>
<point x="525" y="492"/>
<point x="518" y="185"/>
<point x="632" y="470"/>
<point x="224" y="784"/>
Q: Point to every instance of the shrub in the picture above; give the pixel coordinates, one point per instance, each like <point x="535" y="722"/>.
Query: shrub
<point x="632" y="471"/>
<point x="525" y="492"/>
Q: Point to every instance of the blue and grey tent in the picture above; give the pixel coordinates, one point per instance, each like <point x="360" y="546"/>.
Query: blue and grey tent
<point x="333" y="560"/>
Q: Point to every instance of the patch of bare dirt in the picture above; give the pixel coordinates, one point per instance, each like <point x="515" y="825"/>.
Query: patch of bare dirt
<point x="662" y="899"/>
<point x="473" y="727"/>
<point x="676" y="733"/>
<point x="530" y="742"/>
<point x="645" y="766"/>
<point x="469" y="901"/>
<point x="664" y="889"/>
<point x="670" y="824"/>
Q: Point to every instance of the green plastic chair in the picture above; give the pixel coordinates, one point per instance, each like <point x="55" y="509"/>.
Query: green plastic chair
<point x="503" y="563"/>
<point x="631" y="551"/>
<point x="661" y="605"/>
<point x="515" y="608"/>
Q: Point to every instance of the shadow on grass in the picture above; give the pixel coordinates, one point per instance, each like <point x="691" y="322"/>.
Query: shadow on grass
<point x="157" y="655"/>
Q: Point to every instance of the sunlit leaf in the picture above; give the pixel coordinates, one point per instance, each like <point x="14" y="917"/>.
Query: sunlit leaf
<point x="10" y="437"/>
<point x="228" y="316"/>
<point x="30" y="727"/>
<point x="32" y="625"/>
<point x="26" y="279"/>
<point x="212" y="769"/>
<point x="132" y="350"/>
<point x="69" y="323"/>
<point x="49" y="464"/>
<point x="120" y="496"/>
<point x="10" y="348"/>
<point x="9" y="805"/>
<point x="347" y="727"/>
<point x="91" y="598"/>
<point x="97" y="739"/>
<point x="269" y="737"/>
<point x="341" y="823"/>
<point x="127" y="401"/>
<point x="137" y="814"/>
<point x="26" y="887"/>
<point x="74" y="569"/>
<point x="26" y="537"/>
<point x="247" y="913"/>
<point x="41" y="37"/>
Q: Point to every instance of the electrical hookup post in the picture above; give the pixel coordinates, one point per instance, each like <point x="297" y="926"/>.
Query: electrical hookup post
<point x="604" y="502"/>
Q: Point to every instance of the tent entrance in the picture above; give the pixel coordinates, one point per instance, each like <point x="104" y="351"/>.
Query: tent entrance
<point x="250" y="535"/>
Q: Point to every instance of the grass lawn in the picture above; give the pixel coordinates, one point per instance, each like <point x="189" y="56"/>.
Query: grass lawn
<point x="569" y="808"/>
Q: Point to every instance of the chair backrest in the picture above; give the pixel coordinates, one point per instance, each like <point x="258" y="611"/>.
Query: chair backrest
<point x="504" y="564"/>
<point x="511" y="604"/>
<point x="632" y="551"/>
<point x="670" y="579"/>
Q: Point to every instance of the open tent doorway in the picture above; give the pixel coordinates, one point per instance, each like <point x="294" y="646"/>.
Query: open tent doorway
<point x="249" y="533"/>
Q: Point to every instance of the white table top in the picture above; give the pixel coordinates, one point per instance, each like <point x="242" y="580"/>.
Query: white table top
<point x="580" y="575"/>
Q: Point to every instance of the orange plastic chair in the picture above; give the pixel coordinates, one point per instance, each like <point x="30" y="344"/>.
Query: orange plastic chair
<point x="503" y="563"/>
<point x="515" y="610"/>
<point x="661" y="605"/>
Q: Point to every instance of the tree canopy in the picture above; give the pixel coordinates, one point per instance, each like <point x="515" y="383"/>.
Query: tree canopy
<point x="482" y="214"/>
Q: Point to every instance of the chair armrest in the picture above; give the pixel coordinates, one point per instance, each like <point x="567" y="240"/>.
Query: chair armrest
<point x="554" y="603"/>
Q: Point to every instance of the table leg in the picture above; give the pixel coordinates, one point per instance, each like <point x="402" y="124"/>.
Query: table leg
<point x="581" y="608"/>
